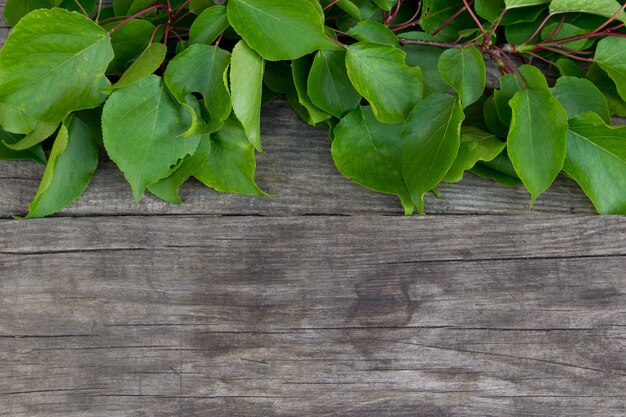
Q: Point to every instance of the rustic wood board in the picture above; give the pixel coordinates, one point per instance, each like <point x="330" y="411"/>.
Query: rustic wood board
<point x="322" y="301"/>
<point x="350" y="316"/>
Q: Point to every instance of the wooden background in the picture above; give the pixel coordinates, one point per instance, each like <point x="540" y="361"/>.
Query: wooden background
<point x="324" y="301"/>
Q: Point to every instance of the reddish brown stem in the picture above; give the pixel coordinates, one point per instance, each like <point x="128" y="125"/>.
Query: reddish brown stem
<point x="219" y="38"/>
<point x="154" y="32"/>
<point x="557" y="29"/>
<point x="607" y="32"/>
<point x="136" y="15"/>
<point x="331" y="4"/>
<point x="393" y="15"/>
<point x="412" y="21"/>
<point x="181" y="17"/>
<point x="504" y="68"/>
<point x="536" y="32"/>
<point x="99" y="11"/>
<point x="612" y="18"/>
<point x="539" y="57"/>
<point x="564" y="53"/>
<point x="512" y="65"/>
<point x="497" y="24"/>
<point x="182" y="6"/>
<point x="448" y="21"/>
<point x="177" y="36"/>
<point x="337" y="42"/>
<point x="82" y="9"/>
<point x="112" y="19"/>
<point x="480" y="25"/>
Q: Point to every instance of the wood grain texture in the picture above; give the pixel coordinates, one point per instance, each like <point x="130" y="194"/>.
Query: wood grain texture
<point x="208" y="309"/>
<point x="346" y="316"/>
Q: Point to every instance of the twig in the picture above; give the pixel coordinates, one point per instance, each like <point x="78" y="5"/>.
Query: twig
<point x="480" y="25"/>
<point x="539" y="28"/>
<point x="99" y="10"/>
<point x="80" y="6"/>
<point x="405" y="41"/>
<point x="136" y="15"/>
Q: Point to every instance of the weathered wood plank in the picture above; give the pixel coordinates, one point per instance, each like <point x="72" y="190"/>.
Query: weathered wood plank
<point x="4" y="31"/>
<point x="373" y="316"/>
<point x="351" y="316"/>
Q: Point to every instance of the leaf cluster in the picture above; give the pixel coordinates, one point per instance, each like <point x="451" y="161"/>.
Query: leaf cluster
<point x="173" y="89"/>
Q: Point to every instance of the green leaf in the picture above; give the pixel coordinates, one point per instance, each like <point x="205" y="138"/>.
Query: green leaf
<point x="406" y="160"/>
<point x="139" y="5"/>
<point x="279" y="30"/>
<point x="88" y="5"/>
<point x="14" y="10"/>
<point x="202" y="69"/>
<point x="568" y="68"/>
<point x="476" y="145"/>
<point x="464" y="70"/>
<point x="437" y="12"/>
<point x="566" y="30"/>
<point x="578" y="96"/>
<point x="601" y="79"/>
<point x="537" y="139"/>
<point x="141" y="126"/>
<point x="167" y="188"/>
<point x="231" y="164"/>
<point x="129" y="7"/>
<point x="596" y="159"/>
<point x="318" y="7"/>
<point x="427" y="58"/>
<point x="372" y="31"/>
<point x="16" y="121"/>
<point x="492" y="120"/>
<point x="145" y="64"/>
<point x="385" y="4"/>
<point x="300" y="69"/>
<point x="209" y="25"/>
<point x="379" y="73"/>
<point x="499" y="169"/>
<point x="73" y="161"/>
<point x="513" y="4"/>
<point x="42" y="132"/>
<point x="278" y="77"/>
<point x="120" y="7"/>
<point x="370" y="154"/>
<point x="606" y="8"/>
<point x="128" y="42"/>
<point x="519" y="34"/>
<point x="329" y="87"/>
<point x="199" y="6"/>
<point x="611" y="57"/>
<point x="431" y="140"/>
<point x="59" y="57"/>
<point x="246" y="84"/>
<point x="528" y="77"/>
<point x="532" y="15"/>
<point x="350" y="8"/>
<point x="34" y="154"/>
<point x="489" y="9"/>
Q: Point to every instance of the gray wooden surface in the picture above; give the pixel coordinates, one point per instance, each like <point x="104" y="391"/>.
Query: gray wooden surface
<point x="323" y="301"/>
